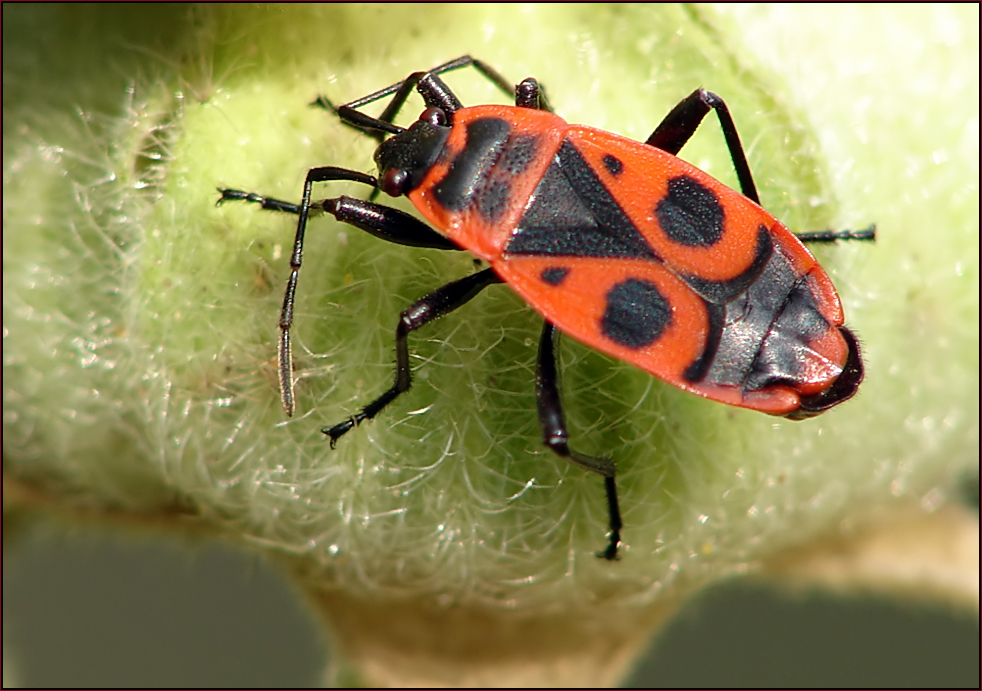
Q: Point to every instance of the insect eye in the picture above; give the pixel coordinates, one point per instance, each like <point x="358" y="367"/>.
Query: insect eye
<point x="434" y="116"/>
<point x="395" y="182"/>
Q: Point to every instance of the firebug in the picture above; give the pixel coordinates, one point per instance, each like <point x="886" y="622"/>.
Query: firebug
<point x="618" y="243"/>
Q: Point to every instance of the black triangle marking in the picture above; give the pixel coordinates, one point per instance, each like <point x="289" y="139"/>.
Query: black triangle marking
<point x="572" y="214"/>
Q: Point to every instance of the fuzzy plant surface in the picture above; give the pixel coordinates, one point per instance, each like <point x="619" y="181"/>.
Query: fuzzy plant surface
<point x="443" y="543"/>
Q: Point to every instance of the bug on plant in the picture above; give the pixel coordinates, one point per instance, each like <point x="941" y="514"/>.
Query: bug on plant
<point x="617" y="243"/>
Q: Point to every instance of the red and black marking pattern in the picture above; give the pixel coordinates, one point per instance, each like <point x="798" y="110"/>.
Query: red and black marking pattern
<point x="642" y="256"/>
<point x="616" y="242"/>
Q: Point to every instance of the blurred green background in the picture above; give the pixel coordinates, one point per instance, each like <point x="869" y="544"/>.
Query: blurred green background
<point x="105" y="609"/>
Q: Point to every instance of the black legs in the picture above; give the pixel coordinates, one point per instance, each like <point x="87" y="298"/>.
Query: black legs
<point x="683" y="120"/>
<point x="835" y="235"/>
<point x="388" y="224"/>
<point x="381" y="221"/>
<point x="430" y="308"/>
<point x="434" y="91"/>
<point x="556" y="436"/>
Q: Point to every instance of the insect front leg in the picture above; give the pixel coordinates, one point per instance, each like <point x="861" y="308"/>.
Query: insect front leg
<point x="556" y="435"/>
<point x="433" y="90"/>
<point x="382" y="222"/>
<point x="430" y="308"/>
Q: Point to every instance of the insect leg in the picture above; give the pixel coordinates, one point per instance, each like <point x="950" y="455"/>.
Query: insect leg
<point x="382" y="222"/>
<point x="681" y="123"/>
<point x="556" y="435"/>
<point x="267" y="203"/>
<point x="429" y="308"/>
<point x="404" y="88"/>
<point x="530" y="94"/>
<point x="834" y="235"/>
<point x="433" y="90"/>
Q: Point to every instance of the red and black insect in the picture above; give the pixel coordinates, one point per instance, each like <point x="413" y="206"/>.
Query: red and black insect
<point x="615" y="242"/>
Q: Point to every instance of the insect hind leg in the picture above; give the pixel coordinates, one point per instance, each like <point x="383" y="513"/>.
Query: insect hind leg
<point x="556" y="435"/>
<point x="868" y="233"/>
<point x="683" y="120"/>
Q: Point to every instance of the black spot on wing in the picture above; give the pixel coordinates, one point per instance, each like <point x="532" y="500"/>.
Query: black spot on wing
<point x="613" y="164"/>
<point x="690" y="214"/>
<point x="636" y="315"/>
<point x="554" y="275"/>
<point x="572" y="214"/>
<point x="721" y="292"/>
